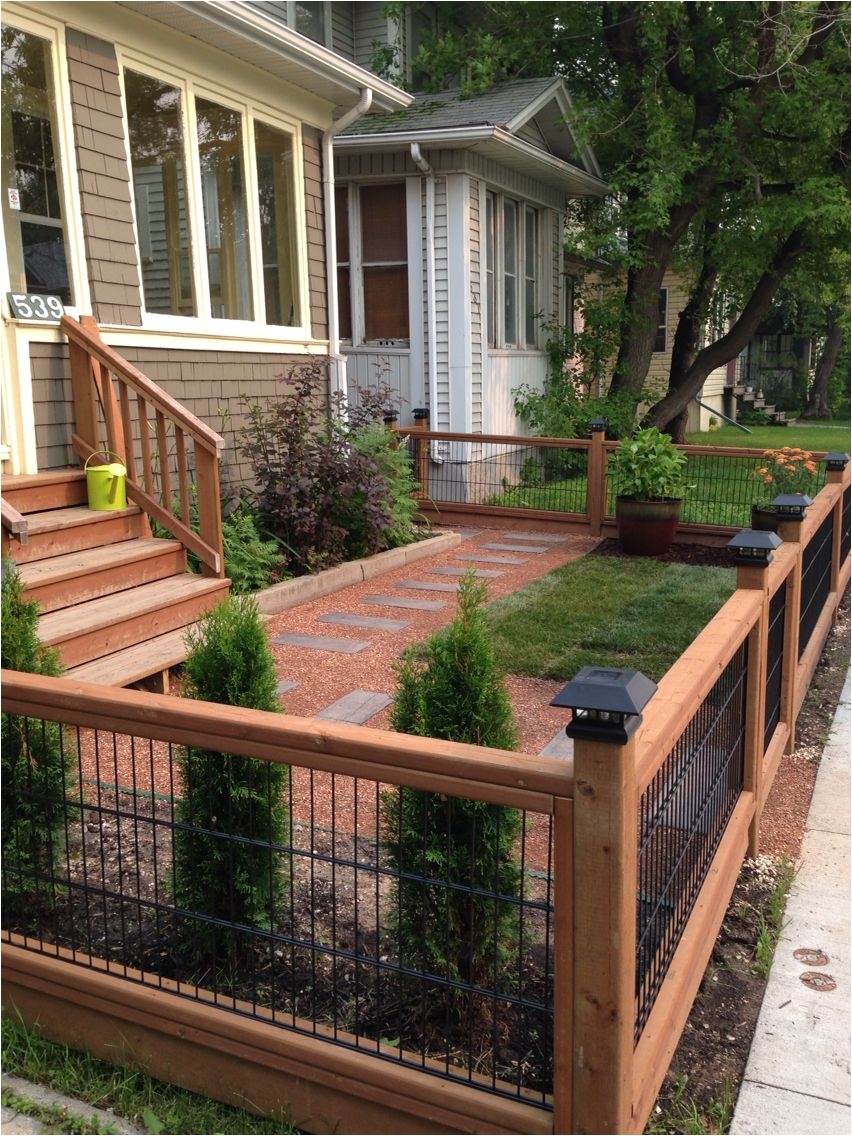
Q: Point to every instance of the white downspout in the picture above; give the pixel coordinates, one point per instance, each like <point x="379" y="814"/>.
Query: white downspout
<point x="431" y="324"/>
<point x="337" y="362"/>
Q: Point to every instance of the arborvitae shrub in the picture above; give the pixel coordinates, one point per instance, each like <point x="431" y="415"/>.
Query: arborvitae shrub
<point x="448" y="850"/>
<point x="231" y="808"/>
<point x="34" y="759"/>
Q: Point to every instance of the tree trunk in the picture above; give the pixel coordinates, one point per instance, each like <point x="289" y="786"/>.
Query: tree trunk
<point x="736" y="338"/>
<point x="817" y="406"/>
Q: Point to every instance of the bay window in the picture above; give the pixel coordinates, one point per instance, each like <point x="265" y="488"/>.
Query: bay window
<point x="214" y="190"/>
<point x="512" y="271"/>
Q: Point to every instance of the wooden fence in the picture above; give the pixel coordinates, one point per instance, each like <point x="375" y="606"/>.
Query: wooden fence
<point x="645" y="840"/>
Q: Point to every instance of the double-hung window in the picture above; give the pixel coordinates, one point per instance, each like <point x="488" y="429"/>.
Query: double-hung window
<point x="214" y="190"/>
<point x="34" y="219"/>
<point x="513" y="270"/>
<point x="372" y="263"/>
<point x="661" y="339"/>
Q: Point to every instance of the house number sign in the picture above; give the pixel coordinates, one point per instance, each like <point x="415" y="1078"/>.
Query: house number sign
<point x="32" y="306"/>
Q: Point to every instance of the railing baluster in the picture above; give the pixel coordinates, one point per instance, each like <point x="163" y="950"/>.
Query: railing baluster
<point x="145" y="445"/>
<point x="163" y="461"/>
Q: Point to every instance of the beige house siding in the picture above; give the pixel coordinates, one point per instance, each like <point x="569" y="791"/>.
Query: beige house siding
<point x="210" y="384"/>
<point x="103" y="180"/>
<point x="315" y="221"/>
<point x="52" y="406"/>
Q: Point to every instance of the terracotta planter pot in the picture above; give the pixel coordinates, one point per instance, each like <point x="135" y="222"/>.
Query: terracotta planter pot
<point x="646" y="528"/>
<point x="764" y="519"/>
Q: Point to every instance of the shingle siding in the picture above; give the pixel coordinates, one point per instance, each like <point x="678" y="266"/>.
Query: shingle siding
<point x="105" y="196"/>
<point x="314" y="221"/>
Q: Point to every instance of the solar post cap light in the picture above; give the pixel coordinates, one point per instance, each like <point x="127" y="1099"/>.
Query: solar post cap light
<point x="607" y="703"/>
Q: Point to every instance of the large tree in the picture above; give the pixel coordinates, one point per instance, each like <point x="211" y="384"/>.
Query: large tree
<point x="723" y="129"/>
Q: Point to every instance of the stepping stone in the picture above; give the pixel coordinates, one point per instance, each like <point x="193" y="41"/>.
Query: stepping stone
<point x="466" y="534"/>
<point x="322" y="643"/>
<point x="356" y="707"/>
<point x="507" y="560"/>
<point x="370" y="622"/>
<point x="285" y="685"/>
<point x="427" y="586"/>
<point x="517" y="547"/>
<point x="559" y="746"/>
<point x="400" y="601"/>
<point x="480" y="573"/>
<point x="550" y="538"/>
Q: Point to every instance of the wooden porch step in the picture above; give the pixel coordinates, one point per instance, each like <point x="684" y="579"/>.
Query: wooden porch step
<point x="55" y="532"/>
<point x="133" y="664"/>
<point x="53" y="489"/>
<point x="63" y="581"/>
<point x="111" y="623"/>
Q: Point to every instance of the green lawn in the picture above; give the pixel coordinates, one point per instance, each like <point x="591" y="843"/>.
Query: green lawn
<point x="607" y="611"/>
<point x="829" y="436"/>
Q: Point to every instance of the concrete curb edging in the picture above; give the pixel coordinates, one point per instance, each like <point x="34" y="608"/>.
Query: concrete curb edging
<point x="290" y="593"/>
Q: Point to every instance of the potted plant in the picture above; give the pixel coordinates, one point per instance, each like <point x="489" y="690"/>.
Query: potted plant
<point x="648" y="472"/>
<point x="788" y="470"/>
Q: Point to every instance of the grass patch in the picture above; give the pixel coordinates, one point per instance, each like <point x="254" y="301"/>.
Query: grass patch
<point x="826" y="436"/>
<point x="153" y="1105"/>
<point x="687" y="1115"/>
<point x="606" y="611"/>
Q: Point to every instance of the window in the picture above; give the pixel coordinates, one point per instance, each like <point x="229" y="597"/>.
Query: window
<point x="234" y="253"/>
<point x="512" y="270"/>
<point x="36" y="238"/>
<point x="309" y="18"/>
<point x="662" y="315"/>
<point x="372" y="269"/>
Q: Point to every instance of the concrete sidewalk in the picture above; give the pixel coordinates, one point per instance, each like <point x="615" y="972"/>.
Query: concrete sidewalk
<point x="797" y="1080"/>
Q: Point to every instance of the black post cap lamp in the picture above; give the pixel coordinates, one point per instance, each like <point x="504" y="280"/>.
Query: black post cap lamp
<point x="754" y="547"/>
<point x="607" y="703"/>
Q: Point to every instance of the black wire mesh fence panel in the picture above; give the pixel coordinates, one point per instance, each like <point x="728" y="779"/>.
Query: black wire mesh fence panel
<point x="315" y="949"/>
<point x="682" y="818"/>
<point x="774" y="664"/>
<point x="816" y="580"/>
<point x="722" y="489"/>
<point x="845" y="534"/>
<point x="525" y="476"/>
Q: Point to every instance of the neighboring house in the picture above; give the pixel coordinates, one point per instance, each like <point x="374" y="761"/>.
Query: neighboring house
<point x="166" y="169"/>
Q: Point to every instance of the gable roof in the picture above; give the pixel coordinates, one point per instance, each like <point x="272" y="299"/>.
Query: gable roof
<point x="524" y="123"/>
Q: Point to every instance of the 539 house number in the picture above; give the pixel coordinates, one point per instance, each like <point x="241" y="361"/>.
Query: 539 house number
<point x="31" y="306"/>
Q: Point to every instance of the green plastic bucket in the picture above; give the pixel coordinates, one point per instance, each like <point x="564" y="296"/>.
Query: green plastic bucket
<point x="106" y="484"/>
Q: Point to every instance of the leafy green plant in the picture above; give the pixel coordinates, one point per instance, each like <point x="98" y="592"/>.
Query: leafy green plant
<point x="648" y="466"/>
<point x="563" y="408"/>
<point x="252" y="561"/>
<point x="380" y="444"/>
<point x="232" y="807"/>
<point x="456" y="858"/>
<point x="35" y="760"/>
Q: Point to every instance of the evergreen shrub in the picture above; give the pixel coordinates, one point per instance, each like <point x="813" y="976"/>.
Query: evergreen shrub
<point x="451" y="852"/>
<point x="35" y="756"/>
<point x="232" y="808"/>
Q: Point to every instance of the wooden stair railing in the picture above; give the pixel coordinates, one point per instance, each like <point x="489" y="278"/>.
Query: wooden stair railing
<point x="13" y="522"/>
<point x="120" y="410"/>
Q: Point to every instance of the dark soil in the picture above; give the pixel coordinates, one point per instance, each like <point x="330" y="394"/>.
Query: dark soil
<point x="708" y="554"/>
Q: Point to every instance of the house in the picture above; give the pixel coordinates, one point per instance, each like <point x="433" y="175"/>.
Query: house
<point x="166" y="170"/>
<point x="169" y="171"/>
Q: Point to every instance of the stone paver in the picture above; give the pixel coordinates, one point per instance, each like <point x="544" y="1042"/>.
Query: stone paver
<point x="480" y="573"/>
<point x="285" y="685"/>
<point x="367" y="622"/>
<point x="403" y="601"/>
<point x="509" y="561"/>
<point x="560" y="745"/>
<point x="356" y="708"/>
<point x="426" y="586"/>
<point x="322" y="643"/>
<point x="518" y="547"/>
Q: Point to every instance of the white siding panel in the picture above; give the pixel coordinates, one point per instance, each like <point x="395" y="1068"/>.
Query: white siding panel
<point x="508" y="370"/>
<point x="373" y="369"/>
<point x="370" y="24"/>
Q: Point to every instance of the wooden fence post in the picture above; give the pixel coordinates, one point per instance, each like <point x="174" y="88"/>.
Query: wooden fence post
<point x="421" y="450"/>
<point x="836" y="464"/>
<point x="596" y="477"/>
<point x="753" y="553"/>
<point x="607" y="711"/>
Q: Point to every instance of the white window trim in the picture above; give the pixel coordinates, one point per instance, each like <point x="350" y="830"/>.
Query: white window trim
<point x="497" y="199"/>
<point x="250" y="111"/>
<point x="662" y="325"/>
<point x="54" y="33"/>
<point x="356" y="267"/>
